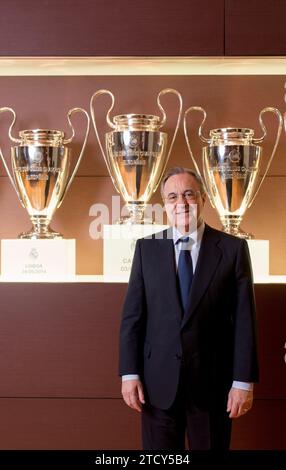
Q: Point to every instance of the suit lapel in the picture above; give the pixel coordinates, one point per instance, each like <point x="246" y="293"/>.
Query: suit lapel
<point x="208" y="260"/>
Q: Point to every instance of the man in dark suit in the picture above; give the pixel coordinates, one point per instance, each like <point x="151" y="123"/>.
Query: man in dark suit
<point x="187" y="339"/>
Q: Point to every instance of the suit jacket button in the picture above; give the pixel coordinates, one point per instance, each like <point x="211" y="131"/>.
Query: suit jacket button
<point x="179" y="356"/>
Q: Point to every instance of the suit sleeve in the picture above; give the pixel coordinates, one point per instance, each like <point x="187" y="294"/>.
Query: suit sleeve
<point x="245" y="348"/>
<point x="133" y="320"/>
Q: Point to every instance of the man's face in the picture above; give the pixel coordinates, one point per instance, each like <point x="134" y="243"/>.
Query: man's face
<point x="183" y="201"/>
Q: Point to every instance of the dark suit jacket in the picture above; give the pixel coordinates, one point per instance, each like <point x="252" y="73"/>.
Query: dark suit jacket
<point x="214" y="341"/>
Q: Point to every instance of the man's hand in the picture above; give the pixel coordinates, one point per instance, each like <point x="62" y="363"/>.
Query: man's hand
<point x="132" y="392"/>
<point x="239" y="402"/>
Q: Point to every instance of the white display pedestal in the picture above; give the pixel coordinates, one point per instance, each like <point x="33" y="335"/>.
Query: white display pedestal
<point x="38" y="260"/>
<point x="259" y="254"/>
<point x="119" y="244"/>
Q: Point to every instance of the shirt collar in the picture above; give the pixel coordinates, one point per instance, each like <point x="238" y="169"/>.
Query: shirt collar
<point x="196" y="235"/>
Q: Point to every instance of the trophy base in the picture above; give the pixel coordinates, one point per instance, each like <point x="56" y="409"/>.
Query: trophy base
<point x="47" y="234"/>
<point x="38" y="260"/>
<point x="231" y="225"/>
<point x="132" y="221"/>
<point x="238" y="233"/>
<point x="118" y="247"/>
<point x="136" y="215"/>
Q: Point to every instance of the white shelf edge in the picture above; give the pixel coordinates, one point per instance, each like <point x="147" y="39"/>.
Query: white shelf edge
<point x="128" y="66"/>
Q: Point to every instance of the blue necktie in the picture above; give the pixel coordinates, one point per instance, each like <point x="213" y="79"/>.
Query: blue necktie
<point x="185" y="271"/>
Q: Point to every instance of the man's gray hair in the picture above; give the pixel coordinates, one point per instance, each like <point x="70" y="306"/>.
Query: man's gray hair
<point x="179" y="170"/>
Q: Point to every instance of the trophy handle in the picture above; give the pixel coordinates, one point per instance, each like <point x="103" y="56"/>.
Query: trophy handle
<point x="280" y="124"/>
<point x="10" y="110"/>
<point x="18" y="141"/>
<point x="208" y="184"/>
<point x="94" y="96"/>
<point x="66" y="141"/>
<point x="164" y="92"/>
<point x="204" y="139"/>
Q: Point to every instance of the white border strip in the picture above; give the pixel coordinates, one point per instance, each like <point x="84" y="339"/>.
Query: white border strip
<point x="114" y="66"/>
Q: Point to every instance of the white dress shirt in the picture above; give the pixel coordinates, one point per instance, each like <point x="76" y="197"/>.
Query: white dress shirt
<point x="194" y="245"/>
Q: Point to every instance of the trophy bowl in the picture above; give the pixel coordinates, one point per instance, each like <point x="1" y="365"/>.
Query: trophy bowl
<point x="41" y="173"/>
<point x="136" y="154"/>
<point x="231" y="164"/>
<point x="136" y="159"/>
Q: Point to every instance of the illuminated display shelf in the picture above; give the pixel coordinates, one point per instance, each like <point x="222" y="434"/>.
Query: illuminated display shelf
<point x="135" y="66"/>
<point x="96" y="66"/>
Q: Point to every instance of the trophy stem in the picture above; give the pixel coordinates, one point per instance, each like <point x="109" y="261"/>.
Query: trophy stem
<point x="136" y="214"/>
<point x="40" y="229"/>
<point x="231" y="225"/>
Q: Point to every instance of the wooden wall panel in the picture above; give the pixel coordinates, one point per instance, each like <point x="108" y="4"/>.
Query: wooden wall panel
<point x="60" y="340"/>
<point x="62" y="424"/>
<point x="271" y="342"/>
<point x="110" y="28"/>
<point x="262" y="428"/>
<point x="58" y="361"/>
<point x="108" y="424"/>
<point x="255" y="27"/>
<point x="107" y="28"/>
<point x="101" y="424"/>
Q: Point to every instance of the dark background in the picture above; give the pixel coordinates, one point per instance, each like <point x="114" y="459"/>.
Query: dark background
<point x="142" y="28"/>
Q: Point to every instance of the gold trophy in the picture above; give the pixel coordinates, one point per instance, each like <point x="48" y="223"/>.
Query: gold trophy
<point x="136" y="154"/>
<point x="41" y="174"/>
<point x="231" y="162"/>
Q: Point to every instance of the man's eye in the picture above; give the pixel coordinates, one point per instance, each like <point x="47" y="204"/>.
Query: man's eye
<point x="189" y="194"/>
